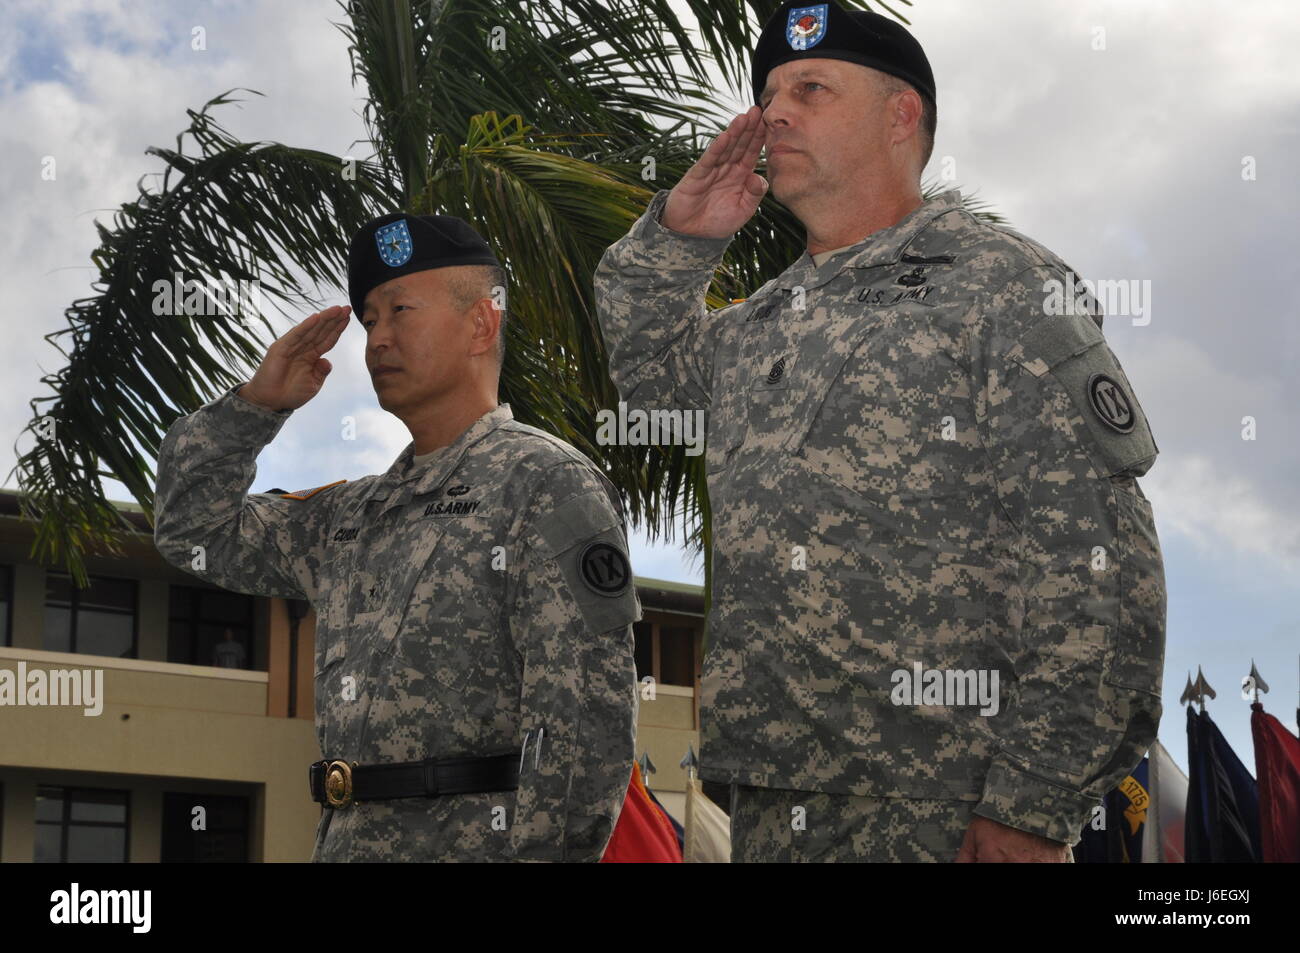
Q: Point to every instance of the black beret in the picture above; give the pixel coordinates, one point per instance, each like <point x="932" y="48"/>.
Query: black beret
<point x="828" y="31"/>
<point x="399" y="244"/>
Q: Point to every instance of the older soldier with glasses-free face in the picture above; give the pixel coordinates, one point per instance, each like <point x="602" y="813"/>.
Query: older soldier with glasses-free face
<point x="937" y="627"/>
<point x="474" y="672"/>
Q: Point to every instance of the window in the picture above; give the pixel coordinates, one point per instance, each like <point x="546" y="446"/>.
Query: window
<point x="666" y="652"/>
<point x="643" y="636"/>
<point x="677" y="655"/>
<point x="6" y="604"/>
<point x="224" y="839"/>
<point x="198" y="623"/>
<point x="98" y="620"/>
<point x="80" y="825"/>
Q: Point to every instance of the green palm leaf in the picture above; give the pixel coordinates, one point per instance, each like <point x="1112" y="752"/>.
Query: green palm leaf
<point x="534" y="121"/>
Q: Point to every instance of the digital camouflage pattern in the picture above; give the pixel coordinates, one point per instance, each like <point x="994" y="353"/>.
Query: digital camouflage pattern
<point x="770" y="825"/>
<point x="905" y="466"/>
<point x="454" y="616"/>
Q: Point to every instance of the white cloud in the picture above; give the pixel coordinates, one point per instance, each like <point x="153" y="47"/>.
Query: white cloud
<point x="1126" y="162"/>
<point x="1211" y="505"/>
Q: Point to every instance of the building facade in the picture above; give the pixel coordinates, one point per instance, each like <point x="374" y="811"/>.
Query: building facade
<point x="149" y="717"/>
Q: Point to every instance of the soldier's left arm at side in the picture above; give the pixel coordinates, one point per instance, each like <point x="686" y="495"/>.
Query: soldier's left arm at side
<point x="1066" y="440"/>
<point x="573" y="601"/>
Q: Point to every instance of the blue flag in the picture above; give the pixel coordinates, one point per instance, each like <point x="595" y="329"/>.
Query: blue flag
<point x="1222" y="799"/>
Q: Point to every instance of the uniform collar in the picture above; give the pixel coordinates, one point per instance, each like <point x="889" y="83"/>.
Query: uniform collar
<point x="442" y="464"/>
<point x="882" y="247"/>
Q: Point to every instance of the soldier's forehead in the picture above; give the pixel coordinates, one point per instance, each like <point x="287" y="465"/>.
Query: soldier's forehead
<point x="803" y="69"/>
<point x="413" y="283"/>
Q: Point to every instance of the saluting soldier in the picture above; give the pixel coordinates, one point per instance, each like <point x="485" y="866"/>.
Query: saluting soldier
<point x="938" y="618"/>
<point x="475" y="683"/>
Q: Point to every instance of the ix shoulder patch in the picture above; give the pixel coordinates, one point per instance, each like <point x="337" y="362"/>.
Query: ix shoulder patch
<point x="605" y="569"/>
<point x="1110" y="403"/>
<point x="308" y="494"/>
<point x="584" y="538"/>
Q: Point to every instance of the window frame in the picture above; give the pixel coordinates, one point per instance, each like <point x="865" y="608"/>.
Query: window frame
<point x="7" y="570"/>
<point x="74" y="608"/>
<point x="65" y="822"/>
<point x="194" y="620"/>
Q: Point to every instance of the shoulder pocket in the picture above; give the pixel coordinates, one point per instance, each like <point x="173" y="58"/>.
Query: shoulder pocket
<point x="1072" y="349"/>
<point x="586" y="541"/>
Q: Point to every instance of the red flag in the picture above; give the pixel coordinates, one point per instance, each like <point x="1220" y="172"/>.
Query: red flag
<point x="642" y="834"/>
<point x="1277" y="768"/>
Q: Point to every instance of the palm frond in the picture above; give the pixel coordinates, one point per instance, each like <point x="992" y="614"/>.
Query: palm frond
<point x="227" y="212"/>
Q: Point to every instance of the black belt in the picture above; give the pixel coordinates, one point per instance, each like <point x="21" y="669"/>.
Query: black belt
<point x="339" y="783"/>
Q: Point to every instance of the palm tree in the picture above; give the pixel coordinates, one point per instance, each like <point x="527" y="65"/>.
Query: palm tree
<point x="531" y="120"/>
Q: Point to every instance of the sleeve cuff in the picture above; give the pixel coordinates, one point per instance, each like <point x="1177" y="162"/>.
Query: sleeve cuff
<point x="244" y="419"/>
<point x="1027" y="802"/>
<point x="688" y="252"/>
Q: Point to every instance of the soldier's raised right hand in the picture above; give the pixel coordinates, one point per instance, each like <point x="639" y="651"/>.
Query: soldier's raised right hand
<point x="721" y="192"/>
<point x="294" y="368"/>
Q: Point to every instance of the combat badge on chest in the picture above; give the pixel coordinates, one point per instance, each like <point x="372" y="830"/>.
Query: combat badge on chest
<point x="912" y="284"/>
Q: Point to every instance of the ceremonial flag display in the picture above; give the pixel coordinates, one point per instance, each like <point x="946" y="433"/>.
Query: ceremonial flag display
<point x="643" y="833"/>
<point x="1277" y="769"/>
<point x="708" y="829"/>
<point x="1222" y="803"/>
<point x="1114" y="835"/>
<point x="1165" y="826"/>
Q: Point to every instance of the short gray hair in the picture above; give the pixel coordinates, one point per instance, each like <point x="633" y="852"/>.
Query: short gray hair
<point x="891" y="84"/>
<point x="482" y="281"/>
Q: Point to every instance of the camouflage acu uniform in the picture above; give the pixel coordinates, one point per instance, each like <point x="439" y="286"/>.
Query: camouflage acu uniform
<point x="770" y="825"/>
<point x="461" y="606"/>
<point x="906" y="467"/>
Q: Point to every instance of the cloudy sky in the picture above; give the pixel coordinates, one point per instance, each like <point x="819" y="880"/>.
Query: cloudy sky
<point x="1146" y="142"/>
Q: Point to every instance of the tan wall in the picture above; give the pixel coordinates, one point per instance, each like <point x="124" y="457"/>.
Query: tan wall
<point x="665" y="728"/>
<point x="278" y="628"/>
<point x="276" y="625"/>
<point x="144" y="833"/>
<point x="167" y="727"/>
<point x="175" y="721"/>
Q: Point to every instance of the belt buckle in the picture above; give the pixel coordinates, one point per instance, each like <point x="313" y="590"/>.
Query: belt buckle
<point x="338" y="784"/>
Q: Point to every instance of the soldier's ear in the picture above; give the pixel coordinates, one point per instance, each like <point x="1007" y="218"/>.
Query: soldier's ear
<point x="487" y="323"/>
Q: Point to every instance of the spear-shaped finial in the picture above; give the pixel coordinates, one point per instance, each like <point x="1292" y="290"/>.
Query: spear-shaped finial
<point x="1203" y="689"/>
<point x="1253" y="684"/>
<point x="690" y="764"/>
<point x="1198" y="690"/>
